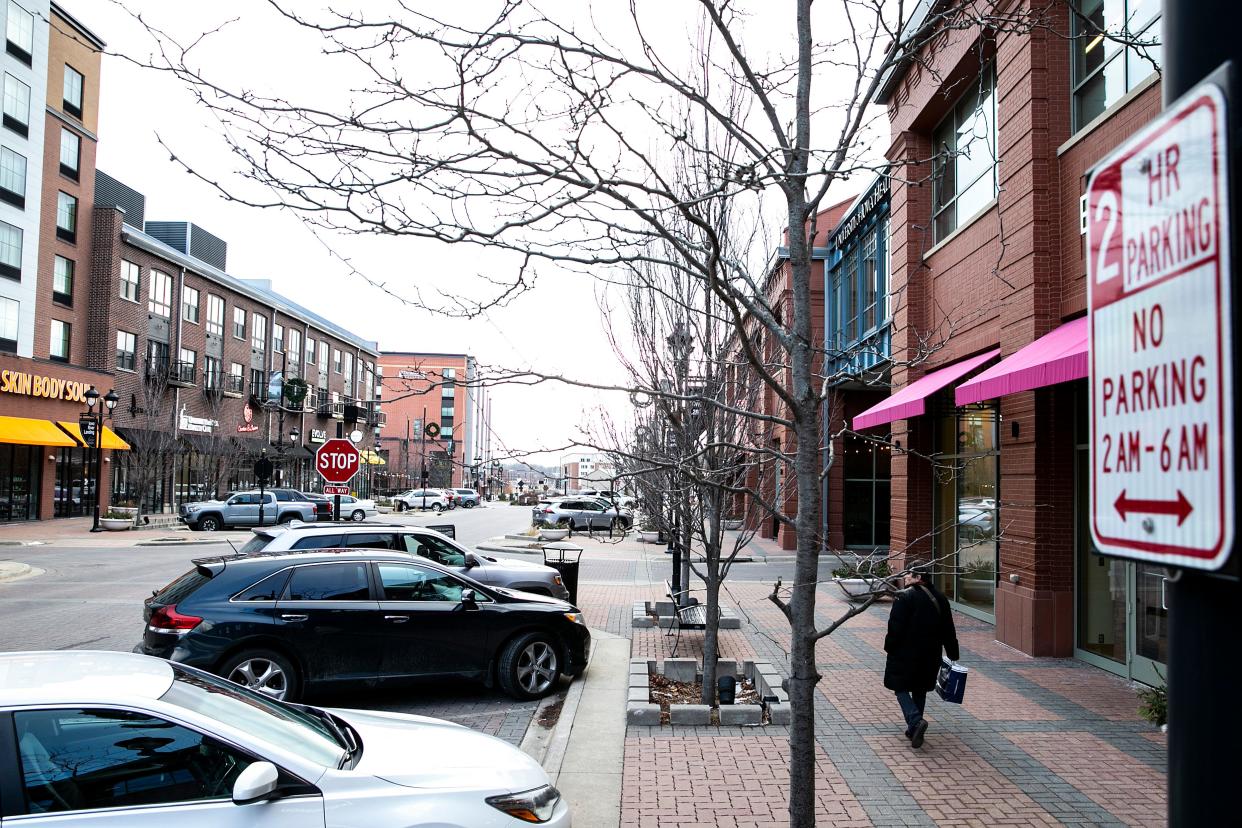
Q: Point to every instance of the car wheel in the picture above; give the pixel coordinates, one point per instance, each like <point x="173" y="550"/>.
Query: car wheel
<point x="437" y="508"/>
<point x="400" y="505"/>
<point x="529" y="667"/>
<point x="211" y="523"/>
<point x="263" y="671"/>
<point x="358" y="516"/>
<point x="285" y="518"/>
<point x="469" y="504"/>
<point x="616" y="524"/>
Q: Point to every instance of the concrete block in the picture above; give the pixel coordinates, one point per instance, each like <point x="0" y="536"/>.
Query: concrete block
<point x="769" y="684"/>
<point x="740" y="714"/>
<point x="639" y="694"/>
<point x="681" y="669"/>
<point x="689" y="714"/>
<point x="640" y="713"/>
<point x="640" y="680"/>
<point x="642" y="622"/>
<point x="665" y="608"/>
<point x="748" y="670"/>
<point x="779" y="714"/>
<point x="730" y="623"/>
<point x="726" y="667"/>
<point x="666" y="621"/>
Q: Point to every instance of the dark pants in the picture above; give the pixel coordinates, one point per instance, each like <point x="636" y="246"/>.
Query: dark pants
<point x="912" y="704"/>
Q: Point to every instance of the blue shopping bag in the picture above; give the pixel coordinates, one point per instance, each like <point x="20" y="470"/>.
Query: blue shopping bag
<point x="951" y="682"/>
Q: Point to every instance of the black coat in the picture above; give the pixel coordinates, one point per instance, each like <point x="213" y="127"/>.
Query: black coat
<point x="917" y="629"/>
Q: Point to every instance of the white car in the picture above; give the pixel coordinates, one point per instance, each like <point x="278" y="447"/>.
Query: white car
<point x="104" y="739"/>
<point x="433" y="499"/>
<point x="354" y="509"/>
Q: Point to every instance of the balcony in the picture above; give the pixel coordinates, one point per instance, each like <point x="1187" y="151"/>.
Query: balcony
<point x="374" y="416"/>
<point x="156" y="370"/>
<point x="213" y="384"/>
<point x="234" y="385"/>
<point x="183" y="374"/>
<point x="310" y="403"/>
<point x="258" y="390"/>
<point x="330" y="406"/>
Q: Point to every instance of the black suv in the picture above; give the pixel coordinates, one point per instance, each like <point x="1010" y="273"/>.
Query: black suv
<point x="285" y="624"/>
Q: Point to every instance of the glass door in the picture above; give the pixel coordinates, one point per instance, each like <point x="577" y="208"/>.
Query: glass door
<point x="1150" y="648"/>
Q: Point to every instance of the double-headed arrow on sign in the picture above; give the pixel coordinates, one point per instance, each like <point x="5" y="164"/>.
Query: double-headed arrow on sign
<point x="1180" y="507"/>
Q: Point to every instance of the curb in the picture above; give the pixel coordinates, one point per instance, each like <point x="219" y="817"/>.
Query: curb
<point x="16" y="571"/>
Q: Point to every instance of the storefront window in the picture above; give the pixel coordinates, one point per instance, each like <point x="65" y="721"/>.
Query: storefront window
<point x="19" y="482"/>
<point x="966" y="540"/>
<point x="865" y="492"/>
<point x="75" y="483"/>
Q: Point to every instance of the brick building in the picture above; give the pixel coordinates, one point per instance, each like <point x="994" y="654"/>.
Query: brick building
<point x="988" y="403"/>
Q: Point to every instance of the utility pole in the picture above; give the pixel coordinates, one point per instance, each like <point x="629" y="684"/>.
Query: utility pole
<point x="422" y="454"/>
<point x="1205" y="665"/>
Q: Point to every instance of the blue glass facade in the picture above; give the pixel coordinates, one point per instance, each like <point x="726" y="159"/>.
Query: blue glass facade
<point x="857" y="330"/>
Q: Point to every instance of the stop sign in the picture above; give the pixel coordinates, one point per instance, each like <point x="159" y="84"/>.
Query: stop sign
<point x="337" y="460"/>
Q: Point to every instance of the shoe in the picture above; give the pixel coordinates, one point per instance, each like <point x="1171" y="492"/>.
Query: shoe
<point x="909" y="734"/>
<point x="916" y="738"/>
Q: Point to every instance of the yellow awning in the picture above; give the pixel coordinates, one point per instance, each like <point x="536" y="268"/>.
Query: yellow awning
<point x="371" y="458"/>
<point x="108" y="437"/>
<point x="26" y="432"/>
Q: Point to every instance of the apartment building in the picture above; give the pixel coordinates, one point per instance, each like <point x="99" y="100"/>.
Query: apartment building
<point x="987" y="409"/>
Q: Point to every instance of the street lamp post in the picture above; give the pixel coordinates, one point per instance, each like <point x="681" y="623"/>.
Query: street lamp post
<point x="294" y="441"/>
<point x="94" y="438"/>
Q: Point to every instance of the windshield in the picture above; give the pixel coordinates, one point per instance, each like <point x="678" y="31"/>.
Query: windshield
<point x="255" y="714"/>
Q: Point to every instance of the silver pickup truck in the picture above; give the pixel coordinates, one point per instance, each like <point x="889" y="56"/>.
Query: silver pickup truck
<point x="242" y="509"/>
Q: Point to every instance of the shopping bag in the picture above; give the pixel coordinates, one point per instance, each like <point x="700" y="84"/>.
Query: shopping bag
<point x="951" y="682"/>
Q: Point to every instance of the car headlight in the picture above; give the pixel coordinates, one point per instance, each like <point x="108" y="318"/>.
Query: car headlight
<point x="576" y="617"/>
<point x="535" y="805"/>
<point x="556" y="579"/>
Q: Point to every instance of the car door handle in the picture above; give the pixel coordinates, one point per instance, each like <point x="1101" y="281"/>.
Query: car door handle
<point x="289" y="616"/>
<point x="397" y="619"/>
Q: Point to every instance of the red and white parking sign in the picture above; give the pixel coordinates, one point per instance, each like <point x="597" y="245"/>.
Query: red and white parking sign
<point x="1158" y="277"/>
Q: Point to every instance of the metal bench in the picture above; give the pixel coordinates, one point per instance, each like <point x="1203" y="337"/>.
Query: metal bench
<point x="685" y="616"/>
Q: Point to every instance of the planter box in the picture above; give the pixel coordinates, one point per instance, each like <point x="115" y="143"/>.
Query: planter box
<point x="553" y="534"/>
<point x="649" y="537"/>
<point x="383" y="510"/>
<point x="116" y="524"/>
<point x="733" y="525"/>
<point x="854" y="587"/>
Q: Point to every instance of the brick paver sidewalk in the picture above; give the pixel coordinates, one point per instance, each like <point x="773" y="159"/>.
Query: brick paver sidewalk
<point x="1038" y="741"/>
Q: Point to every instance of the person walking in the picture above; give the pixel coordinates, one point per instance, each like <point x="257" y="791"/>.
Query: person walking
<point x="919" y="625"/>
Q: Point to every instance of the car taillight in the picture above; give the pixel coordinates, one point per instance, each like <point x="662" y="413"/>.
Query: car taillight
<point x="547" y="511"/>
<point x="170" y="622"/>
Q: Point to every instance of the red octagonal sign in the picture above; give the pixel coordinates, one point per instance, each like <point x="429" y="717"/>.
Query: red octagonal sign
<point x="337" y="461"/>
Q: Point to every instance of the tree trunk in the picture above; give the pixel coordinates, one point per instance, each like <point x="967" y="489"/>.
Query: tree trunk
<point x="711" y="634"/>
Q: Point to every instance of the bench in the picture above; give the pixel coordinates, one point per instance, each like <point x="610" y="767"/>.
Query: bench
<point x="685" y="617"/>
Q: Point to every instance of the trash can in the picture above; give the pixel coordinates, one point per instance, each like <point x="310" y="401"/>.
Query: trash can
<point x="564" y="558"/>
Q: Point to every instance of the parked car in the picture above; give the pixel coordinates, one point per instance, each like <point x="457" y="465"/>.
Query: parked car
<point x="289" y="624"/>
<point x="468" y="498"/>
<point x="454" y="499"/>
<point x="355" y="509"/>
<point x="421" y="499"/>
<point x="323" y="505"/>
<point x="510" y="573"/>
<point x="624" y="501"/>
<point x="580" y="513"/>
<point x="104" y="739"/>
<point x="242" y="509"/>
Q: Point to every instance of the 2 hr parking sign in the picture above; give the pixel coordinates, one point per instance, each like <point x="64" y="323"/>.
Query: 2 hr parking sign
<point x="1158" y="276"/>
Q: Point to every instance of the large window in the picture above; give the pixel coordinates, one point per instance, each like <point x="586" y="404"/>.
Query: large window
<point x="12" y="177"/>
<point x="215" y="314"/>
<point x="73" y="91"/>
<point x="859" y="291"/>
<point x="20" y="33"/>
<point x="336" y="361"/>
<point x="9" y="309"/>
<point x="258" y="333"/>
<point x="239" y="324"/>
<point x="62" y="280"/>
<point x="310" y="351"/>
<point x="278" y="339"/>
<point x="966" y="506"/>
<point x="295" y="345"/>
<point x="70" y="153"/>
<point x="189" y="304"/>
<point x="865" y="493"/>
<point x="1116" y="46"/>
<point x="965" y="157"/>
<point x="10" y="251"/>
<point x="129" y="280"/>
<point x="59" y="349"/>
<point x="126" y="345"/>
<point x="159" y="294"/>
<point x="16" y="105"/>
<point x="66" y="217"/>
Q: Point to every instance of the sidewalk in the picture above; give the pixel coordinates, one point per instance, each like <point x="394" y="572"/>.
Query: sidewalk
<point x="76" y="532"/>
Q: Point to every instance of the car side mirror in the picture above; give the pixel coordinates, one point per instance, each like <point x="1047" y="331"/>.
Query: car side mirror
<point x="469" y="598"/>
<point x="257" y="782"/>
<point x="471" y="560"/>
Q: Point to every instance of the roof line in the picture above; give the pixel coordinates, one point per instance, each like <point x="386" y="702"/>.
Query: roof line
<point x="95" y="40"/>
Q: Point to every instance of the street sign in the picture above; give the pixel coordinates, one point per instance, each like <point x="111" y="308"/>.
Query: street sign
<point x="336" y="490"/>
<point x="1158" y="282"/>
<point x="337" y="461"/>
<point x="88" y="427"/>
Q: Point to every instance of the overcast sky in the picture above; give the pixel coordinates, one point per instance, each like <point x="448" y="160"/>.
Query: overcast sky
<point x="557" y="328"/>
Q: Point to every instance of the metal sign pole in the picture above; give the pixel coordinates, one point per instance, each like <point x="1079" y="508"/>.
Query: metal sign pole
<point x="1205" y="665"/>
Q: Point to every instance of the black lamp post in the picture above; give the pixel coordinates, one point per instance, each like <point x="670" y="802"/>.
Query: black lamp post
<point x="295" y="440"/>
<point x="93" y="437"/>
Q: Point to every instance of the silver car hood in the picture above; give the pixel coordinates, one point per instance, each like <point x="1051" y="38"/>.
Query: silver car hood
<point x="420" y="752"/>
<point x="486" y="561"/>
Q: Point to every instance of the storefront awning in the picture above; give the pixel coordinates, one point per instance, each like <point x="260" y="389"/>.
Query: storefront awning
<point x="911" y="400"/>
<point x="371" y="458"/>
<point x="300" y="452"/>
<point x="26" y="432"/>
<point x="1058" y="356"/>
<point x="108" y="438"/>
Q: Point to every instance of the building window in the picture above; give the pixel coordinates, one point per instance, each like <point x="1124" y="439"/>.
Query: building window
<point x="126" y="346"/>
<point x="189" y="304"/>
<point x="16" y="105"/>
<point x="9" y="309"/>
<point x="20" y="33"/>
<point x="323" y="356"/>
<point x="278" y="339"/>
<point x="1105" y="68"/>
<point x="60" y="340"/>
<point x="965" y="165"/>
<point x="446" y="421"/>
<point x="73" y="91"/>
<point x="211" y="372"/>
<point x="965" y="505"/>
<point x="157" y="360"/>
<point x="348" y="367"/>
<point x="239" y="324"/>
<point x="336" y="361"/>
<point x="12" y="177"/>
<point x="258" y="333"/>
<point x="258" y="386"/>
<point x="865" y="492"/>
<point x="70" y="153"/>
<point x="10" y="251"/>
<point x="62" y="280"/>
<point x="215" y="314"/>
<point x="310" y="351"/>
<point x="159" y="294"/>
<point x="187" y="362"/>
<point x="129" y="280"/>
<point x="295" y="345"/>
<point x="66" y="217"/>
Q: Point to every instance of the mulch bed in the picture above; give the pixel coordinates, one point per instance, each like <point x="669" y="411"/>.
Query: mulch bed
<point x="664" y="692"/>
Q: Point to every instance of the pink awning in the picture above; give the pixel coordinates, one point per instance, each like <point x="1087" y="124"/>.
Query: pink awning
<point x="1058" y="356"/>
<point x="910" y="401"/>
